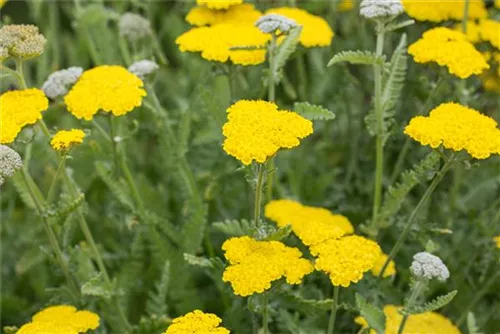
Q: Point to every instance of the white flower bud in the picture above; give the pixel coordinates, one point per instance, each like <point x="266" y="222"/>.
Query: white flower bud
<point x="134" y="27"/>
<point x="428" y="266"/>
<point x="10" y="162"/>
<point x="21" y="40"/>
<point x="142" y="68"/>
<point x="270" y="23"/>
<point x="373" y="9"/>
<point x="57" y="84"/>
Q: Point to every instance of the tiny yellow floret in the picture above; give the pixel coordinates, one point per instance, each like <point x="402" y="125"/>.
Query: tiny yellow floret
<point x="255" y="264"/>
<point x="457" y="128"/>
<point x="108" y="88"/>
<point x="346" y="259"/>
<point x="424" y="323"/>
<point x="449" y="48"/>
<point x="218" y="4"/>
<point x="19" y="108"/>
<point x="315" y="30"/>
<point x="256" y="130"/>
<point x="311" y="224"/>
<point x="238" y="14"/>
<point x="379" y="264"/>
<point x="63" y="140"/>
<point x="440" y="11"/>
<point x="61" y="319"/>
<point x="196" y="322"/>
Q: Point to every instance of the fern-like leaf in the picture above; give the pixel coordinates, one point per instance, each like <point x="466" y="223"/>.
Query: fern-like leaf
<point x="200" y="261"/>
<point x="309" y="306"/>
<point x="157" y="301"/>
<point x="22" y="190"/>
<point x="280" y="233"/>
<point x="471" y="324"/>
<point x="97" y="286"/>
<point x="286" y="48"/>
<point x="63" y="211"/>
<point x="233" y="228"/>
<point x="433" y="305"/>
<point x="394" y="82"/>
<point x="313" y="112"/>
<point x="357" y="57"/>
<point x="372" y="314"/>
<point x="119" y="190"/>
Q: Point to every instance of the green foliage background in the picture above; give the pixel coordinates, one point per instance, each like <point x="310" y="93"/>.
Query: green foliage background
<point x="189" y="183"/>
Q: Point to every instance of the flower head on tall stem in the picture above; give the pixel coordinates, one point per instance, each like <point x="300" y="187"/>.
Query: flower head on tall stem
<point x="427" y="266"/>
<point x="22" y="41"/>
<point x="196" y="322"/>
<point x="380" y="9"/>
<point x="10" y="163"/>
<point x="58" y="83"/>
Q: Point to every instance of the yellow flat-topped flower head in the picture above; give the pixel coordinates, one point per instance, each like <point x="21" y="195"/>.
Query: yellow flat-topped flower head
<point x="196" y="322"/>
<point x="311" y="224"/>
<point x="315" y="30"/>
<point x="215" y="43"/>
<point x="346" y="5"/>
<point x="238" y="14"/>
<point x="457" y="128"/>
<point x="497" y="241"/>
<point x="256" y="130"/>
<point x="490" y="32"/>
<point x="449" y="48"/>
<point x="61" y="319"/>
<point x="111" y="89"/>
<point x="444" y="10"/>
<point x="19" y="108"/>
<point x="379" y="264"/>
<point x="424" y="323"/>
<point x="346" y="259"/>
<point x="64" y="140"/>
<point x="255" y="264"/>
<point x="218" y="4"/>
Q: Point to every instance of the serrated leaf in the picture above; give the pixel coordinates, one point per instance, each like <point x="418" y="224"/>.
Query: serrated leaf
<point x="286" y="48"/>
<point x="357" y="57"/>
<point x="200" y="261"/>
<point x="313" y="112"/>
<point x="157" y="301"/>
<point x="393" y="84"/>
<point x="97" y="286"/>
<point x="372" y="314"/>
<point x="306" y="305"/>
<point x="280" y="233"/>
<point x="233" y="228"/>
<point x="433" y="305"/>
<point x="119" y="190"/>
<point x="471" y="324"/>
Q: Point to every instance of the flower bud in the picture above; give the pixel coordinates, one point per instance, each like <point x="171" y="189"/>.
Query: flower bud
<point x="57" y="84"/>
<point x="270" y="23"/>
<point x="143" y="68"/>
<point x="428" y="266"/>
<point x="134" y="27"/>
<point x="10" y="162"/>
<point x="21" y="41"/>
<point x="374" y="9"/>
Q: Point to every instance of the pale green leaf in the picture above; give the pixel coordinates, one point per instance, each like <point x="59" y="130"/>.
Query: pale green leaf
<point x="433" y="305"/>
<point x="372" y="314"/>
<point x="357" y="57"/>
<point x="313" y="112"/>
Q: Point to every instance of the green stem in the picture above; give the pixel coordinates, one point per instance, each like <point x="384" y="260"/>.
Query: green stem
<point x="101" y="130"/>
<point x="60" y="167"/>
<point x="379" y="115"/>
<point x="466" y="16"/>
<point x="114" y="143"/>
<point x="333" y="312"/>
<point x="419" y="285"/>
<point x="258" y="194"/>
<point x="265" y="314"/>
<point x="271" y="96"/>
<point x="411" y="220"/>
<point x="302" y="76"/>
<point x="131" y="183"/>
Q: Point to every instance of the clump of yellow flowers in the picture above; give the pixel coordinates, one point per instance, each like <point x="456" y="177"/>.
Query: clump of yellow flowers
<point x="449" y="48"/>
<point x="255" y="264"/>
<point x="63" y="140"/>
<point x="379" y="264"/>
<point x="196" y="322"/>
<point x="428" y="322"/>
<point x="218" y="4"/>
<point x="61" y="319"/>
<point x="346" y="259"/>
<point x="19" y="108"/>
<point x="457" y="128"/>
<point x="256" y="130"/>
<point x="111" y="89"/>
<point x="444" y="10"/>
<point x="311" y="224"/>
<point x="239" y="14"/>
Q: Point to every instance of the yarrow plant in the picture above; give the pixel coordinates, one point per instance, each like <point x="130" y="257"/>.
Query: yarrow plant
<point x="10" y="163"/>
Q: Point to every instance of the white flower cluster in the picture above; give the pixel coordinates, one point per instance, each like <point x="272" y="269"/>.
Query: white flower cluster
<point x="57" y="84"/>
<point x="270" y="23"/>
<point x="142" y="68"/>
<point x="21" y="41"/>
<point x="373" y="9"/>
<point x="134" y="27"/>
<point x="10" y="163"/>
<point x="428" y="266"/>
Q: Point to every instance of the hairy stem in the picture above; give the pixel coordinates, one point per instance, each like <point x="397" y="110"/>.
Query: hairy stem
<point x="52" y="189"/>
<point x="271" y="96"/>
<point x="419" y="285"/>
<point x="258" y="194"/>
<point x="333" y="312"/>
<point x="265" y="314"/>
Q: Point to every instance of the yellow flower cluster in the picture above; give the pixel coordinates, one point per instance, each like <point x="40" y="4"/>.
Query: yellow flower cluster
<point x="256" y="130"/>
<point x="311" y="224"/>
<point x="444" y="10"/>
<point x="457" y="128"/>
<point x="218" y="4"/>
<point x="315" y="29"/>
<point x="19" y="108"/>
<point x="448" y="48"/>
<point x="425" y="323"/>
<point x="214" y="43"/>
<point x="196" y="322"/>
<point x="255" y="264"/>
<point x="345" y="5"/>
<point x="107" y="88"/>
<point x="490" y="32"/>
<point x="346" y="259"/>
<point x="379" y="264"/>
<point x="61" y="319"/>
<point x="238" y="14"/>
<point x="497" y="241"/>
<point x="65" y="139"/>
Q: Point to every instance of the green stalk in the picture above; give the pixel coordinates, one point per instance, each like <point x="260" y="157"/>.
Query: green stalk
<point x="258" y="194"/>
<point x="265" y="314"/>
<point x="131" y="183"/>
<point x="419" y="285"/>
<point x="333" y="312"/>
<point x="271" y="96"/>
<point x="411" y="220"/>
<point x="379" y="115"/>
<point x="60" y="167"/>
<point x="20" y="72"/>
